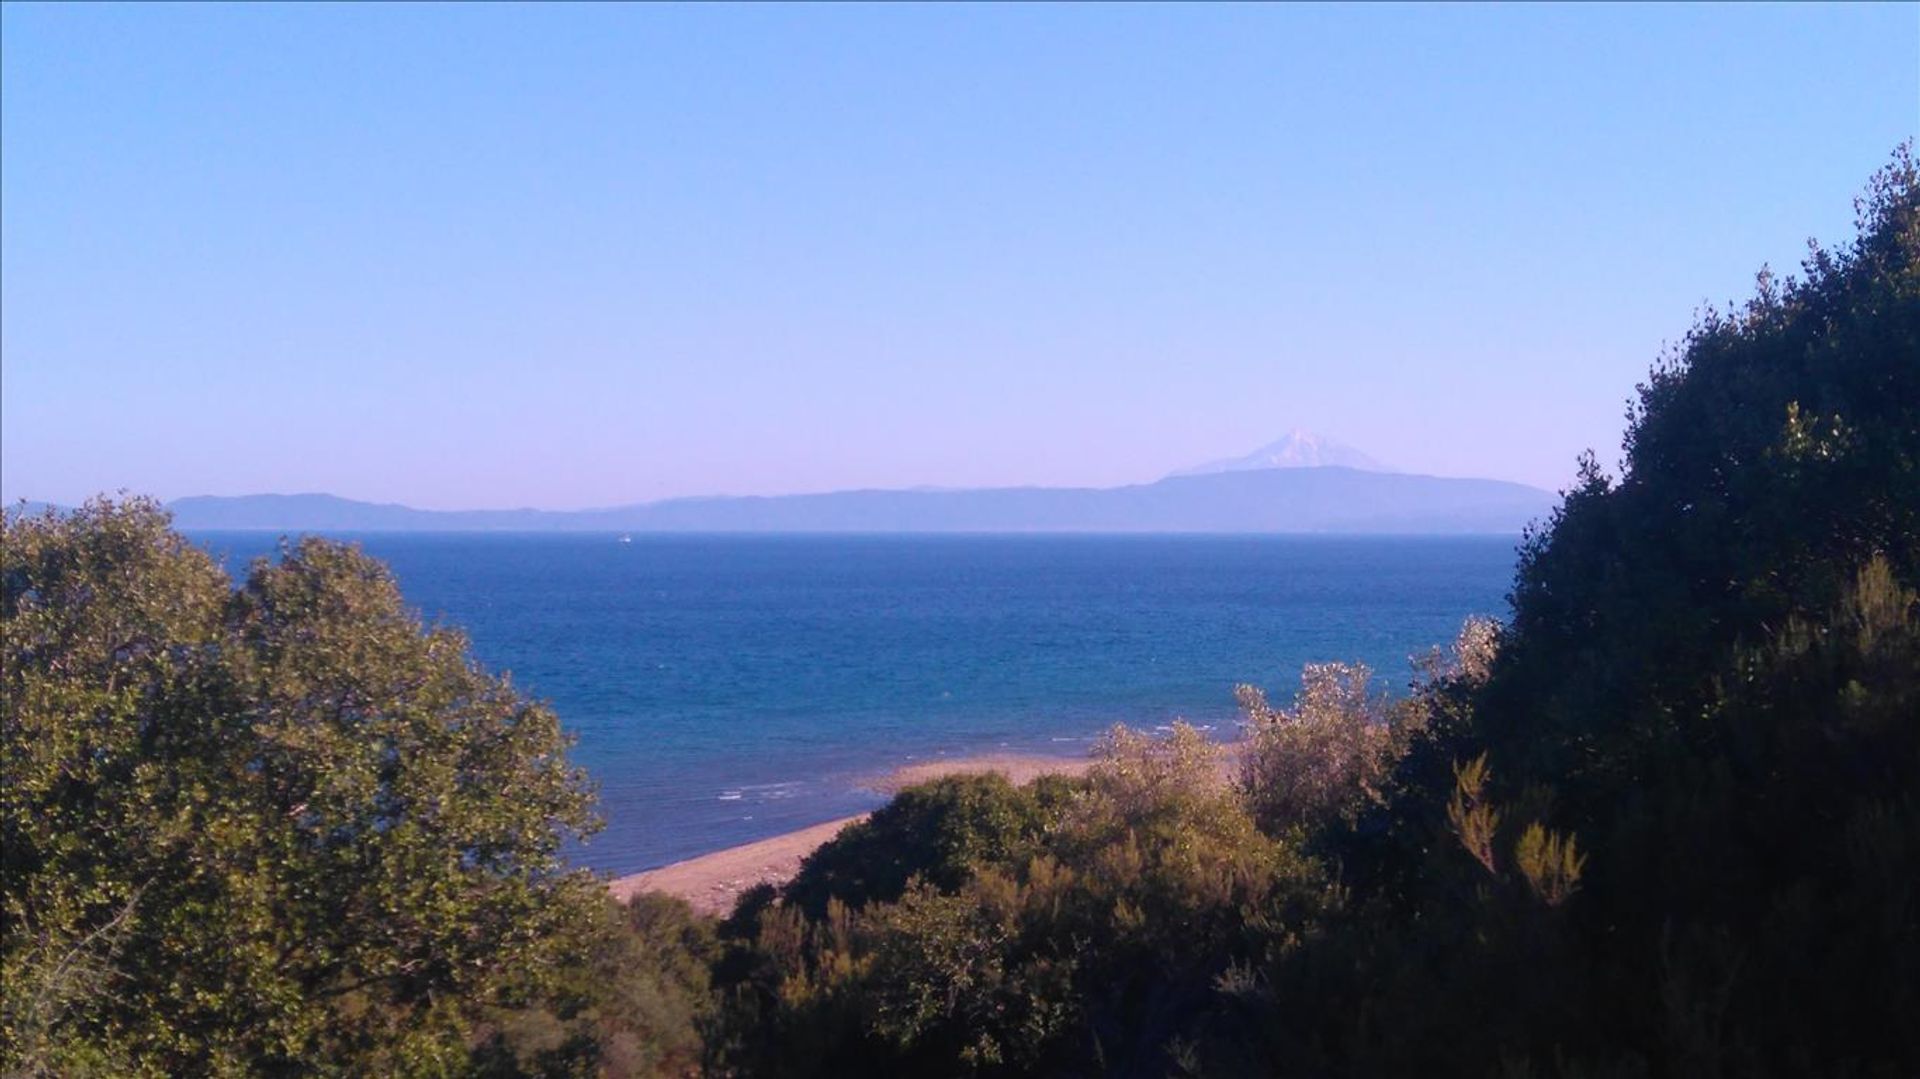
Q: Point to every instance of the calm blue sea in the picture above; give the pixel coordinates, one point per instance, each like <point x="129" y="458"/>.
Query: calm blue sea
<point x="728" y="688"/>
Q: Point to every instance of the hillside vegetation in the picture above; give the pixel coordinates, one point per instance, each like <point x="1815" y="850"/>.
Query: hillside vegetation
<point x="1662" y="821"/>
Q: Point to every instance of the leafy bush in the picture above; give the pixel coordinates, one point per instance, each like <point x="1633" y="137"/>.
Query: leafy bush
<point x="940" y="833"/>
<point x="1089" y="938"/>
<point x="1326" y="757"/>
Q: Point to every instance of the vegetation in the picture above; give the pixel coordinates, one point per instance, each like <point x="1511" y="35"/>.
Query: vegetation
<point x="630" y="998"/>
<point x="282" y="828"/>
<point x="1095" y="937"/>
<point x="1661" y="822"/>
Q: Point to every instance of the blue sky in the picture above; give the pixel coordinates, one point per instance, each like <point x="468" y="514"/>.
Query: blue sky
<point x="551" y="256"/>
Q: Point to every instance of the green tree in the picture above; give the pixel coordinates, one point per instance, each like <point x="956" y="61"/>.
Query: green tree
<point x="1670" y="826"/>
<point x="281" y="829"/>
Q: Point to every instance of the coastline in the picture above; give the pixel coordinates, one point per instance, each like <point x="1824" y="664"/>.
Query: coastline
<point x="712" y="882"/>
<point x="1019" y="768"/>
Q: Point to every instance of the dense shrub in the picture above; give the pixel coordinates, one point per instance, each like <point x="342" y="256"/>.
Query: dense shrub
<point x="941" y="833"/>
<point x="1326" y="757"/>
<point x="1093" y="943"/>
<point x="631" y="999"/>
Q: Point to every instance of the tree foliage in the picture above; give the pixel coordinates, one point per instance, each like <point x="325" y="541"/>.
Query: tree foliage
<point x="1672" y="830"/>
<point x="279" y="828"/>
<point x="630" y="998"/>
<point x="1327" y="756"/>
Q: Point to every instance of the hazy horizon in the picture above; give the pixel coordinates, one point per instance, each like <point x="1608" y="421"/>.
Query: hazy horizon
<point x="1192" y="470"/>
<point x="473" y="257"/>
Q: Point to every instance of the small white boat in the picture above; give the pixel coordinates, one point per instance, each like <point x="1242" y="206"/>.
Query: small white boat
<point x="625" y="538"/>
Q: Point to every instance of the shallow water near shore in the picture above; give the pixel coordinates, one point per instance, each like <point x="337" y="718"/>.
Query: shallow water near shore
<point x="729" y="688"/>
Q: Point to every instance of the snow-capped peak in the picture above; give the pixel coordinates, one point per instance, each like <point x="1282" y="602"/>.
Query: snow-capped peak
<point x="1299" y="449"/>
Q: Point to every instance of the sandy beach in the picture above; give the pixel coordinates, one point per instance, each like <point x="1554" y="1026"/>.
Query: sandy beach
<point x="1017" y="767"/>
<point x="711" y="882"/>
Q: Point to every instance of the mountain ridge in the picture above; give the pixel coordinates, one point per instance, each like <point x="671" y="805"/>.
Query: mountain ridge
<point x="1274" y="500"/>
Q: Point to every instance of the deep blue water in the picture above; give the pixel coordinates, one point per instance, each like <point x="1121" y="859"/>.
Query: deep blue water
<point x="727" y="688"/>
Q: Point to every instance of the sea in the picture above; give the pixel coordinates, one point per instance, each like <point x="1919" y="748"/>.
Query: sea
<point x="726" y="688"/>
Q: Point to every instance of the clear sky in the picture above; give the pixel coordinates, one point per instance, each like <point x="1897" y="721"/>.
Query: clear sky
<point x="561" y="257"/>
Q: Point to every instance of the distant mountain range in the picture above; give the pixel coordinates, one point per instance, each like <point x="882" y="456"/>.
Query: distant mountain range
<point x="1302" y="483"/>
